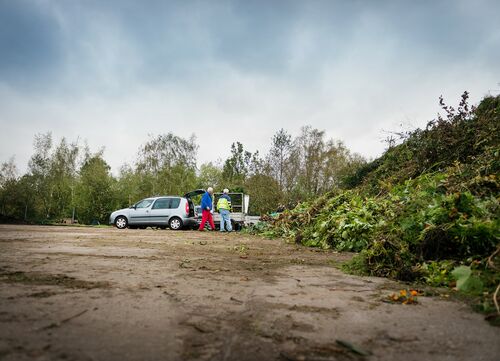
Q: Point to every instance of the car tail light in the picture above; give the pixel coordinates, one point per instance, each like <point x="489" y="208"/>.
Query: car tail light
<point x="187" y="208"/>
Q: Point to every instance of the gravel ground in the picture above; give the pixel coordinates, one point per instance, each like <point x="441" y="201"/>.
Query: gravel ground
<point x="81" y="293"/>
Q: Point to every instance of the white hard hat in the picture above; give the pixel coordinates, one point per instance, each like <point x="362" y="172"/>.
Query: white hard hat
<point x="225" y="190"/>
<point x="210" y="190"/>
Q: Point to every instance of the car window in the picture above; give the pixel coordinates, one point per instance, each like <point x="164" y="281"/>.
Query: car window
<point x="145" y="203"/>
<point x="162" y="203"/>
<point x="174" y="203"/>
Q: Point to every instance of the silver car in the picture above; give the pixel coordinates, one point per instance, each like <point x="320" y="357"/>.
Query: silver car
<point x="166" y="211"/>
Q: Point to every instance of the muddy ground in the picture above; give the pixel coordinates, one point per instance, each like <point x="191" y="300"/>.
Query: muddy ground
<point x="71" y="293"/>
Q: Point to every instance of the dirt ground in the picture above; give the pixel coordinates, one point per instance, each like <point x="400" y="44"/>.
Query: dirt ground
<point x="76" y="293"/>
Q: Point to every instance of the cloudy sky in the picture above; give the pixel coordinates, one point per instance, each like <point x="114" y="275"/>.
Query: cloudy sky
<point x="112" y="72"/>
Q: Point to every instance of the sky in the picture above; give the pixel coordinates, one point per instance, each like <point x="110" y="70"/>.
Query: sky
<point x="112" y="73"/>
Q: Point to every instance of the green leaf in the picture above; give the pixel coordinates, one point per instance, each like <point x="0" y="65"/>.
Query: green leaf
<point x="466" y="281"/>
<point x="461" y="274"/>
<point x="472" y="285"/>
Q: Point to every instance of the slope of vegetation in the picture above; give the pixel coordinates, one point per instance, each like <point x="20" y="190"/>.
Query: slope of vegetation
<point x="428" y="209"/>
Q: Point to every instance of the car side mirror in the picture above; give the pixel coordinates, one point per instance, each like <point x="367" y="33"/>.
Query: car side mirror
<point x="134" y="207"/>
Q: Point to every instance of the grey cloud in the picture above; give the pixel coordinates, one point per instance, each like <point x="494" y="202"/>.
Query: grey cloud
<point x="129" y="68"/>
<point x="29" y="44"/>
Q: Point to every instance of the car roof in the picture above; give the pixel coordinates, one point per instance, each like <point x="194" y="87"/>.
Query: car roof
<point x="168" y="197"/>
<point x="187" y="195"/>
<point x="158" y="197"/>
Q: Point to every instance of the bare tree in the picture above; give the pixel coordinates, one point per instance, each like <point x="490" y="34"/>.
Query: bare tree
<point x="279" y="155"/>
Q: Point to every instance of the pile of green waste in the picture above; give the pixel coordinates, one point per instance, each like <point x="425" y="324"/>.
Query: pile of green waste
<point x="427" y="210"/>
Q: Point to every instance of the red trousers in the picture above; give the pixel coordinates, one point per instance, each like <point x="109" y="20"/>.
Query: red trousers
<point x="207" y="215"/>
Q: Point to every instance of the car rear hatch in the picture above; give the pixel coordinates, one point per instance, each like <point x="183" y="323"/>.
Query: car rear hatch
<point x="188" y="196"/>
<point x="196" y="192"/>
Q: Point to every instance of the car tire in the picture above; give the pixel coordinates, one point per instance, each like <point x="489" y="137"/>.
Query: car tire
<point x="175" y="223"/>
<point x="121" y="222"/>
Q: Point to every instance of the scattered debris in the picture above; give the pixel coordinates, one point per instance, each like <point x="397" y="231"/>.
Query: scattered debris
<point x="315" y="353"/>
<point x="60" y="323"/>
<point x="198" y="327"/>
<point x="353" y="348"/>
<point x="42" y="294"/>
<point x="185" y="263"/>
<point x="349" y="290"/>
<point x="404" y="297"/>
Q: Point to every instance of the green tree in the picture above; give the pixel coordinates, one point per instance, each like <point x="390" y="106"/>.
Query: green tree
<point x="240" y="165"/>
<point x="52" y="174"/>
<point x="312" y="147"/>
<point x="166" y="164"/>
<point x="127" y="188"/>
<point x="315" y="165"/>
<point x="210" y="175"/>
<point x="94" y="194"/>
<point x="39" y="169"/>
<point x="62" y="178"/>
<point x="24" y="197"/>
<point x="177" y="180"/>
<point x="236" y="166"/>
<point x="8" y="183"/>
<point x="265" y="194"/>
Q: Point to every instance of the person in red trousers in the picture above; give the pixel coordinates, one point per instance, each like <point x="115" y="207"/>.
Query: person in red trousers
<point x="206" y="209"/>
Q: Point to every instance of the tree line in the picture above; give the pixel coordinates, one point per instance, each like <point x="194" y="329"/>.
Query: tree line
<point x="67" y="180"/>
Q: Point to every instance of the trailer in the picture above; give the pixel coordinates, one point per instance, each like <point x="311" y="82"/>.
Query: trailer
<point x="239" y="210"/>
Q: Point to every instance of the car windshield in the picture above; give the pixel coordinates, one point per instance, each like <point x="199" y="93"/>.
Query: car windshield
<point x="145" y="203"/>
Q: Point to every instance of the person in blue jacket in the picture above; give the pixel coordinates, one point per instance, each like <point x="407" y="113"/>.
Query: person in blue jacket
<point x="206" y="209"/>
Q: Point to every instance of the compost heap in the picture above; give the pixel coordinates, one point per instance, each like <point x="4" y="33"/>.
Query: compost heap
<point x="427" y="209"/>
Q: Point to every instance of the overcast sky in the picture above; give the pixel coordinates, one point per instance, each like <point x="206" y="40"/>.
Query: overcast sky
<point x="112" y="72"/>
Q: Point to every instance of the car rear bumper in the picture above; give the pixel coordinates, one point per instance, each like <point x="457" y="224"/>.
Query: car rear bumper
<point x="190" y="222"/>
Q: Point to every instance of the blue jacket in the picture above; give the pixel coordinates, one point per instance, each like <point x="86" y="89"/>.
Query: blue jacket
<point x="206" y="202"/>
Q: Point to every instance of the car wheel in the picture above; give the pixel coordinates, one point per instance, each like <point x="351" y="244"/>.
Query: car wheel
<point x="121" y="222"/>
<point x="175" y="223"/>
